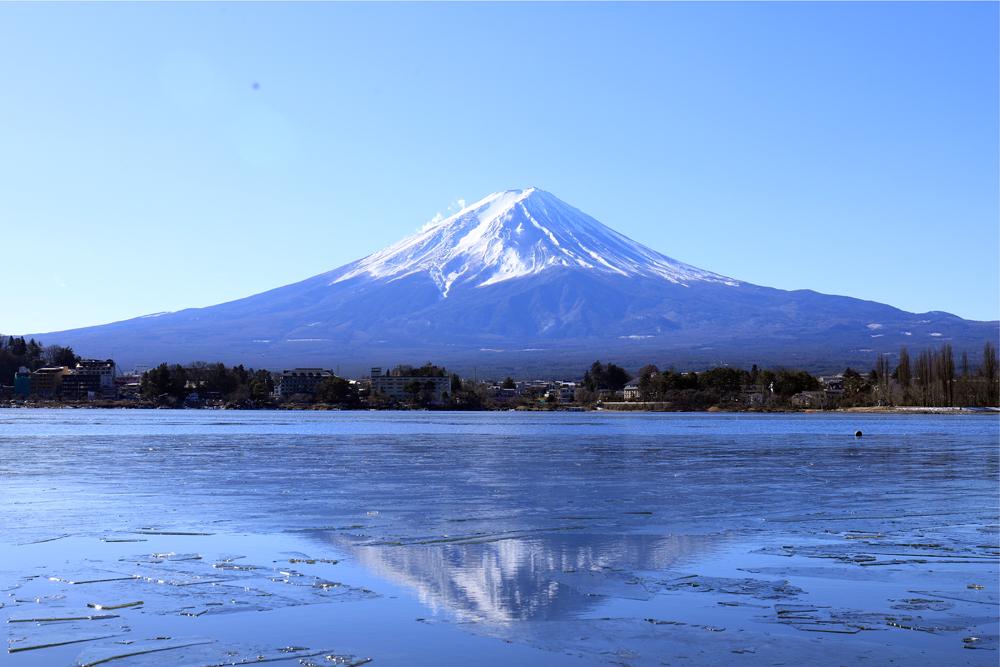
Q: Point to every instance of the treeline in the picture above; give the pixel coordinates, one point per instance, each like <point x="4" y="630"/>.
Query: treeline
<point x="428" y="370"/>
<point x="173" y="384"/>
<point x="722" y="386"/>
<point x="931" y="379"/>
<point x="16" y="352"/>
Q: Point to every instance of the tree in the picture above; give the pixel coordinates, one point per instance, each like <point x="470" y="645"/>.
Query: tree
<point x="261" y="386"/>
<point x="413" y="388"/>
<point x="420" y="392"/>
<point x="883" y="379"/>
<point x="337" y="390"/>
<point x="944" y="363"/>
<point x="594" y="376"/>
<point x="610" y="377"/>
<point x="56" y="355"/>
<point x="855" y="386"/>
<point x="648" y="388"/>
<point x="18" y="347"/>
<point x="164" y="381"/>
<point x="617" y="377"/>
<point x="903" y="373"/>
<point x="925" y="377"/>
<point x="989" y="373"/>
<point x="427" y="370"/>
<point x="674" y="381"/>
<point x="723" y="380"/>
<point x="788" y="383"/>
<point x="508" y="383"/>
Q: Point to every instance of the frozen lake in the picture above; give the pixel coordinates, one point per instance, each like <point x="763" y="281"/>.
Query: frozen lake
<point x="203" y="538"/>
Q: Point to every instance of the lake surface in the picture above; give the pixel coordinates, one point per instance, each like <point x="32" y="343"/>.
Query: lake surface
<point x="419" y="538"/>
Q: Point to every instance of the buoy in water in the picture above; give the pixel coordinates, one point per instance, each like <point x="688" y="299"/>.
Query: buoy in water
<point x="857" y="434"/>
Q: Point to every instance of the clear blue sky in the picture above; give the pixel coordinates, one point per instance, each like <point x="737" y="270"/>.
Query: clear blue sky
<point x="159" y="156"/>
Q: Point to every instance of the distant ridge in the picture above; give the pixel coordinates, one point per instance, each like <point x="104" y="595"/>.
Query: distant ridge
<point x="522" y="282"/>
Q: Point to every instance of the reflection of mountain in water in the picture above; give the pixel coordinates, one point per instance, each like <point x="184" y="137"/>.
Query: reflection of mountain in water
<point x="551" y="577"/>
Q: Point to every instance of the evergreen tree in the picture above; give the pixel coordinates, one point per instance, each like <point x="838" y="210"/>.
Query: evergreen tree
<point x="337" y="390"/>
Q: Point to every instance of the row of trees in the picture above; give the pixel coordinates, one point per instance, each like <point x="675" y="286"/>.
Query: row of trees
<point x="932" y="378"/>
<point x="236" y="384"/>
<point x="722" y="385"/>
<point x="657" y="385"/>
<point x="16" y="352"/>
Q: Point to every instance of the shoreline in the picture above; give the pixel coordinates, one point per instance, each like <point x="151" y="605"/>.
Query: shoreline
<point x="615" y="408"/>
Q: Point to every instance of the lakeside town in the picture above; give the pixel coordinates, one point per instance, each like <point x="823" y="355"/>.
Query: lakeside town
<point x="55" y="376"/>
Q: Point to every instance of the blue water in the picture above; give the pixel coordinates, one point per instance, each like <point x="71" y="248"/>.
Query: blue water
<point x="532" y="538"/>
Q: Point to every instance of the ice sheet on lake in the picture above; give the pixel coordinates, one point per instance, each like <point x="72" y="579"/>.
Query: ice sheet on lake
<point x="615" y="538"/>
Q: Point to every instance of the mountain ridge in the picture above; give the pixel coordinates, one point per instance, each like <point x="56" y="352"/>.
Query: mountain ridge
<point x="522" y="282"/>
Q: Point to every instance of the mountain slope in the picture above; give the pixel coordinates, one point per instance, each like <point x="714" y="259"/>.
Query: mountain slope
<point x="521" y="281"/>
<point x="515" y="234"/>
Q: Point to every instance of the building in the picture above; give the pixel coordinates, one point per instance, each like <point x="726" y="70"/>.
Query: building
<point x="752" y="396"/>
<point x="101" y="372"/>
<point x="631" y="392"/>
<point x="80" y="386"/>
<point x="300" y="381"/>
<point x="129" y="386"/>
<point x="833" y="385"/>
<point x="47" y="382"/>
<point x="504" y="394"/>
<point x="22" y="383"/>
<point x="563" y="392"/>
<point x="535" y="389"/>
<point x="433" y="390"/>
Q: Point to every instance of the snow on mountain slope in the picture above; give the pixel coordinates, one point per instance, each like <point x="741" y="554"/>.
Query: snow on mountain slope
<point x="518" y="233"/>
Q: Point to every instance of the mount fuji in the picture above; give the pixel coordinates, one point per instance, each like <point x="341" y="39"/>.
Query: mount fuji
<point x="522" y="282"/>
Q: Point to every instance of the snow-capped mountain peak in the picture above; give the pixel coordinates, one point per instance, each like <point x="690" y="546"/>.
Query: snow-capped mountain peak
<point x="523" y="284"/>
<point x="517" y="233"/>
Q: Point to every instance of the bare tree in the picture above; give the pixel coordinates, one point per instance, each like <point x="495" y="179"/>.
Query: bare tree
<point x="965" y="388"/>
<point x="883" y="376"/>
<point x="989" y="372"/>
<point x="925" y="377"/>
<point x="945" y="367"/>
<point x="903" y="373"/>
